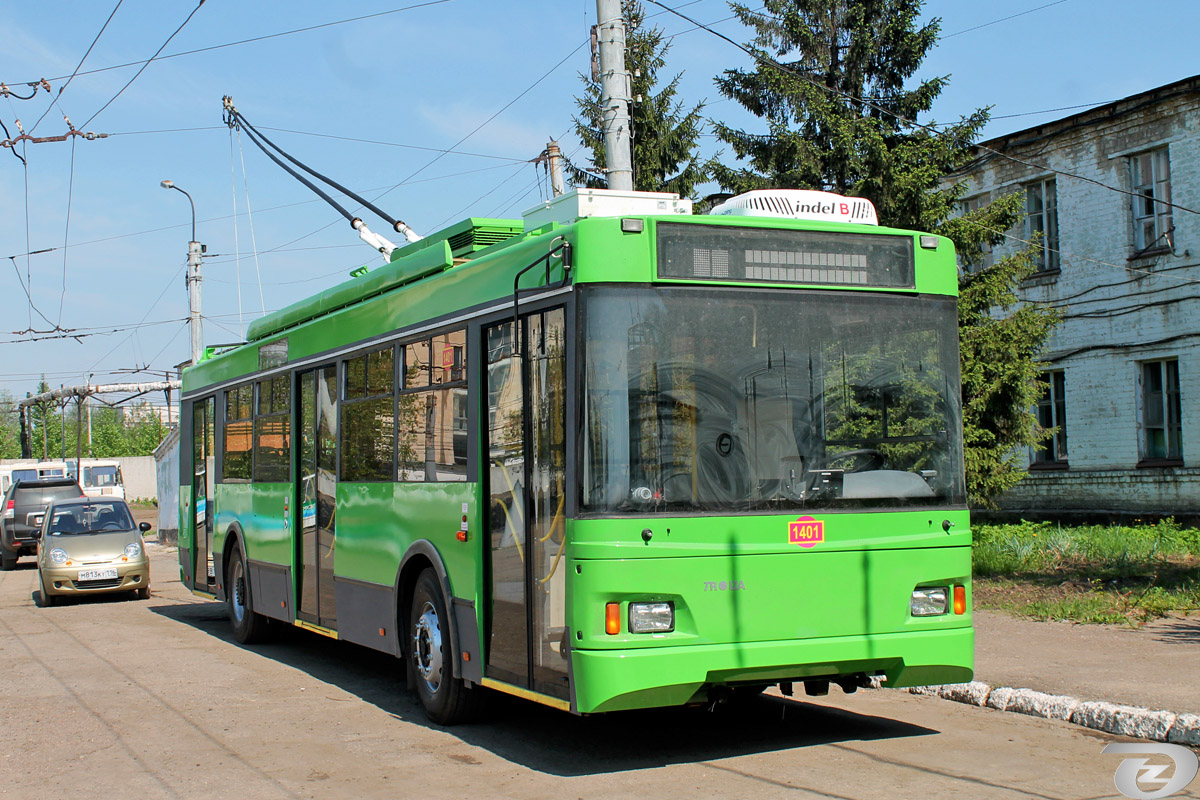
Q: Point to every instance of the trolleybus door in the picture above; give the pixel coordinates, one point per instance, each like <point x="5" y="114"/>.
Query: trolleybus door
<point x="526" y="440"/>
<point x="203" y="485"/>
<point x="316" y="489"/>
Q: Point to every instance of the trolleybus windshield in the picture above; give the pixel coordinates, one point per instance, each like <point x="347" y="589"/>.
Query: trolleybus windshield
<point x="712" y="400"/>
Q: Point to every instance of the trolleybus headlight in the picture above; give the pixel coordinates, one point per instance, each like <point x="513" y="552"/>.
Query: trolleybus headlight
<point x="651" y="617"/>
<point x="928" y="602"/>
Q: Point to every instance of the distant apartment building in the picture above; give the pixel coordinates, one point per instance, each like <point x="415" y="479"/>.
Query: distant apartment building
<point x="1114" y="192"/>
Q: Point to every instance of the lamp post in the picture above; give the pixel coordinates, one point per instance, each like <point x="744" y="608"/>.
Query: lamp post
<point x="195" y="249"/>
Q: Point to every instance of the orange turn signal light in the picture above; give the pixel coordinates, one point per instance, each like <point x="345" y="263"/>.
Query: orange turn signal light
<point x="960" y="599"/>
<point x="461" y="536"/>
<point x="612" y="619"/>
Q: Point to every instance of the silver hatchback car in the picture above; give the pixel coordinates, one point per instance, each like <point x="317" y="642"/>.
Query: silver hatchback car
<point x="91" y="546"/>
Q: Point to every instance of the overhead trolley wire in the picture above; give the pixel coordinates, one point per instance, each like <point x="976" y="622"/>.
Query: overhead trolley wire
<point x="63" y="88"/>
<point x="146" y="63"/>
<point x="257" y="38"/>
<point x="762" y="59"/>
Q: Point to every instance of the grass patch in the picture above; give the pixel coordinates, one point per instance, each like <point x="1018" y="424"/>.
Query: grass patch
<point x="1088" y="573"/>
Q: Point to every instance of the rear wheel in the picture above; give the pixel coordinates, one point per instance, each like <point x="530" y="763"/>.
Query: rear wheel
<point x="446" y="699"/>
<point x="249" y="627"/>
<point x="7" y="561"/>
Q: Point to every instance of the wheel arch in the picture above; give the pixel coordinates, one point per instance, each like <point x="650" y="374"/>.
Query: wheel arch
<point x="235" y="537"/>
<point x="422" y="555"/>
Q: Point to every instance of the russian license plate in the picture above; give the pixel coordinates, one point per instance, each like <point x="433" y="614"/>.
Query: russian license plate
<point x="97" y="574"/>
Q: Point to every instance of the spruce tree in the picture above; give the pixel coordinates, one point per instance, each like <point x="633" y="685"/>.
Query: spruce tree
<point x="665" y="151"/>
<point x="833" y="84"/>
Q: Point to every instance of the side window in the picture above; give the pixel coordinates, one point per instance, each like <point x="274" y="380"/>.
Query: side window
<point x="368" y="416"/>
<point x="1161" y="430"/>
<point x="1052" y="413"/>
<point x="1041" y="217"/>
<point x="272" y="431"/>
<point x="431" y="431"/>
<point x="238" y="434"/>
<point x="1150" y="175"/>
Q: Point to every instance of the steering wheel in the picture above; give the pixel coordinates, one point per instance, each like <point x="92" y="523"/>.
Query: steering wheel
<point x="872" y="459"/>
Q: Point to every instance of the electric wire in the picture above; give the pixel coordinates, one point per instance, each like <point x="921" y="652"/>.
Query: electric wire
<point x="250" y="221"/>
<point x="146" y="64"/>
<point x="997" y="21"/>
<point x="66" y="233"/>
<point x="922" y="126"/>
<point x="63" y="88"/>
<point x="237" y="250"/>
<point x="453" y="147"/>
<point x="257" y="38"/>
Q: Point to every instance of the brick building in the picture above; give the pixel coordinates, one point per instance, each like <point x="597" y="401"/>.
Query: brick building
<point x="1122" y="378"/>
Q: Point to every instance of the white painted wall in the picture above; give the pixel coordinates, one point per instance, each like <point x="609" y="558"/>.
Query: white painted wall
<point x="1103" y="338"/>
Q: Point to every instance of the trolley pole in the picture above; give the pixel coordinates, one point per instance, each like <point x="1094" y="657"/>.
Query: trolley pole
<point x="614" y="91"/>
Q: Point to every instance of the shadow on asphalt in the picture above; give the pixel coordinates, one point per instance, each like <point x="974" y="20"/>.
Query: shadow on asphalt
<point x="555" y="742"/>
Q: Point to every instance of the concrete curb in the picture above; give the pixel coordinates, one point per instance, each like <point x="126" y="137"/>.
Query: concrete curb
<point x="1139" y="723"/>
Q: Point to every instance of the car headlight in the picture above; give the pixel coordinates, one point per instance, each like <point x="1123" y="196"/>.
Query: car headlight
<point x="133" y="550"/>
<point x="651" y="617"/>
<point x="58" y="555"/>
<point x="928" y="602"/>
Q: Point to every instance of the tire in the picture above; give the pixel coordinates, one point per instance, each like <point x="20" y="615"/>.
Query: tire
<point x="46" y="599"/>
<point x="249" y="627"/>
<point x="142" y="594"/>
<point x="8" y="561"/>
<point x="446" y="699"/>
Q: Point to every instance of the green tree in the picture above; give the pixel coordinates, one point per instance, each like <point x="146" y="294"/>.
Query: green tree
<point x="665" y="152"/>
<point x="10" y="427"/>
<point x="832" y="84"/>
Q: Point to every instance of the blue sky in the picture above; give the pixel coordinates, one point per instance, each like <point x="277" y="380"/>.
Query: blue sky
<point x="419" y="80"/>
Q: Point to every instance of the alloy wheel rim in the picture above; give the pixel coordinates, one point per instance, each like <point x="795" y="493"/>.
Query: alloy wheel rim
<point x="427" y="647"/>
<point x="238" y="592"/>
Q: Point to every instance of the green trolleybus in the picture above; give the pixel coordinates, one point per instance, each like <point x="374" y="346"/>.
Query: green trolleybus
<point x="610" y="456"/>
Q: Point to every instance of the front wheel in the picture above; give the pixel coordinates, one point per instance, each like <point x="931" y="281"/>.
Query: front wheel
<point x="249" y="627"/>
<point x="47" y="599"/>
<point x="446" y="699"/>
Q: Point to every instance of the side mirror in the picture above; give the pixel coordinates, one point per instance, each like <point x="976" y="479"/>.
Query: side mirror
<point x="144" y="527"/>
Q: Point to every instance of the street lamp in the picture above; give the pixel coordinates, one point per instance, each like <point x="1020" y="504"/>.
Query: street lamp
<point x="195" y="249"/>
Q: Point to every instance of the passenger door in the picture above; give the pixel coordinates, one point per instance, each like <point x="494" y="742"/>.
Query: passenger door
<point x="525" y="428"/>
<point x="203" y="486"/>
<point x="316" y="492"/>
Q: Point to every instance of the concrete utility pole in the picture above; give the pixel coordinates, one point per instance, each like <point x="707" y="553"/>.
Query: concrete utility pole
<point x="554" y="157"/>
<point x="195" y="251"/>
<point x="614" y="94"/>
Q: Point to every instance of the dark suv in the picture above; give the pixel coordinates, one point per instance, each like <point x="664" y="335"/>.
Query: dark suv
<point x="24" y="506"/>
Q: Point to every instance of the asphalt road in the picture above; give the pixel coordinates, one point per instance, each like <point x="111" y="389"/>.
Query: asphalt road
<point x="126" y="698"/>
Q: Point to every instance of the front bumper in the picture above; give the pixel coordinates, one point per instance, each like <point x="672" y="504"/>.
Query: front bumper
<point x="64" y="580"/>
<point x="612" y="680"/>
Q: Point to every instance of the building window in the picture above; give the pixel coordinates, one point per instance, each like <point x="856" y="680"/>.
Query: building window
<point x="1052" y="414"/>
<point x="1162" y="436"/>
<point x="1151" y="180"/>
<point x="967" y="206"/>
<point x="1041" y="217"/>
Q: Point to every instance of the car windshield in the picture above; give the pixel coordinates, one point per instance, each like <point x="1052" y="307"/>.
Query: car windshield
<point x="732" y="400"/>
<point x="84" y="518"/>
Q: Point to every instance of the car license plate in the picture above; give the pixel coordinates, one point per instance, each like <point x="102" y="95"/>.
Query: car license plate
<point x="97" y="574"/>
